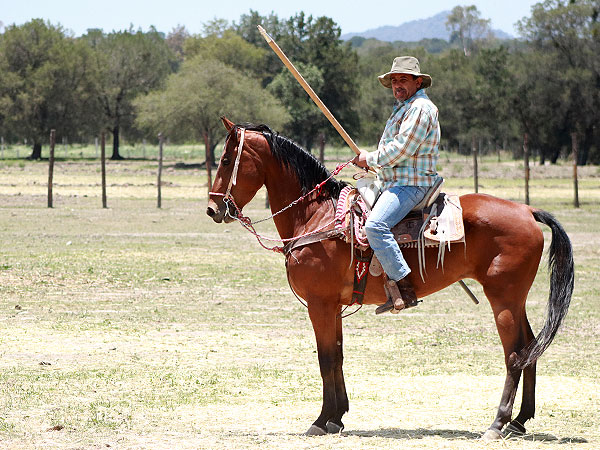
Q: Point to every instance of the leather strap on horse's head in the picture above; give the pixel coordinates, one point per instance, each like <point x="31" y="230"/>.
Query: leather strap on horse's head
<point x="236" y="165"/>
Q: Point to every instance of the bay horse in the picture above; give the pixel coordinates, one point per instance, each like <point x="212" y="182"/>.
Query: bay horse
<point x="504" y="246"/>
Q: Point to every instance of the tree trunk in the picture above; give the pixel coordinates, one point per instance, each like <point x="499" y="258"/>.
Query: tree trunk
<point x="211" y="151"/>
<point x="115" y="154"/>
<point x="37" y="151"/>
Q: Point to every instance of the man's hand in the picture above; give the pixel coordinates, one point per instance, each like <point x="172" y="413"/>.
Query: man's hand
<point x="360" y="160"/>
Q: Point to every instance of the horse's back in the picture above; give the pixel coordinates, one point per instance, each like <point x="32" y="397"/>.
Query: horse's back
<point x="499" y="218"/>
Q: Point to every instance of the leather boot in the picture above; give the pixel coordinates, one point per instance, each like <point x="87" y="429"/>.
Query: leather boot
<point x="400" y="295"/>
<point x="394" y="302"/>
<point x="407" y="292"/>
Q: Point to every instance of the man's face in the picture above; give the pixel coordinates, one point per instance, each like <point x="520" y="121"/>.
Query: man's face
<point x="404" y="85"/>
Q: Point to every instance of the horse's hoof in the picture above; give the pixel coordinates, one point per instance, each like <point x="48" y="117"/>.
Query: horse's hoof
<point x="491" y="435"/>
<point x="513" y="430"/>
<point x="334" y="428"/>
<point x="315" y="431"/>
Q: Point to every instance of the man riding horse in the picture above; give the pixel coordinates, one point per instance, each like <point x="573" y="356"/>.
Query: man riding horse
<point x="405" y="162"/>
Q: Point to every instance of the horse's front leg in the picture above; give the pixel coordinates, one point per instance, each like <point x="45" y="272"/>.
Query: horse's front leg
<point x="335" y="424"/>
<point x="323" y="315"/>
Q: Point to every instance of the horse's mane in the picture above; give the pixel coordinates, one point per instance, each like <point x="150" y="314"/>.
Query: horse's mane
<point x="309" y="170"/>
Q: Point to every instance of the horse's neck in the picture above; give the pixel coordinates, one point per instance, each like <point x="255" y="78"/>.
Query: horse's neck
<point x="283" y="189"/>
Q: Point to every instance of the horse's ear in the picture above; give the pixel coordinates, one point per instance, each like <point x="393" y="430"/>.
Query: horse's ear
<point x="228" y="123"/>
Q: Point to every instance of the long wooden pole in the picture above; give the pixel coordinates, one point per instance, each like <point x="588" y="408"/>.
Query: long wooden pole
<point x="345" y="136"/>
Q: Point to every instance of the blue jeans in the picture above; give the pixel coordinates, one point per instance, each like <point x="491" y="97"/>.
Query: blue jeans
<point x="391" y="207"/>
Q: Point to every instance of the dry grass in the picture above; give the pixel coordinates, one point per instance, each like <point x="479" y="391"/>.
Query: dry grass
<point x="134" y="327"/>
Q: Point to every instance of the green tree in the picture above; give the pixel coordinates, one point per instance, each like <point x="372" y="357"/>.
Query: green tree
<point x="229" y="48"/>
<point x="129" y="64"/>
<point x="193" y="99"/>
<point x="338" y="63"/>
<point x="452" y="91"/>
<point x="176" y="41"/>
<point x="492" y="93"/>
<point x="248" y="30"/>
<point x="537" y="107"/>
<point x="570" y="31"/>
<point x="467" y="27"/>
<point x="306" y="118"/>
<point x="45" y="83"/>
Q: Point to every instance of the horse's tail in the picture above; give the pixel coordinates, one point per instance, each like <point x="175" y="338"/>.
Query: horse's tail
<point x="562" y="276"/>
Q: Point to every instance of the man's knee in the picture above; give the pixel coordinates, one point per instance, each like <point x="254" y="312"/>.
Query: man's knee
<point x="374" y="228"/>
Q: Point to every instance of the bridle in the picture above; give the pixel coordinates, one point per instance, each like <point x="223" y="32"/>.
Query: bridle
<point x="236" y="165"/>
<point x="227" y="197"/>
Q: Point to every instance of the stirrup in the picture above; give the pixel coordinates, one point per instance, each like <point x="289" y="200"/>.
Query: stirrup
<point x="395" y="302"/>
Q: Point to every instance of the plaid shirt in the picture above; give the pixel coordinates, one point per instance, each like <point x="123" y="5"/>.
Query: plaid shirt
<point x="408" y="149"/>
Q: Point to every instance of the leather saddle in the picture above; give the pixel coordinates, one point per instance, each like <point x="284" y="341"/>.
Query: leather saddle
<point x="353" y="209"/>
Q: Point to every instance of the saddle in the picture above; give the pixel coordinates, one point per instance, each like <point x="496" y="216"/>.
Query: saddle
<point x="435" y="221"/>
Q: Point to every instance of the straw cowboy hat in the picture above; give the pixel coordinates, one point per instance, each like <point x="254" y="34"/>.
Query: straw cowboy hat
<point x="405" y="64"/>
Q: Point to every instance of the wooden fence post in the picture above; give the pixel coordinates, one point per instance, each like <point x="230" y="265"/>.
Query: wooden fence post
<point x="575" y="157"/>
<point x="475" y="168"/>
<point x="103" y="167"/>
<point x="322" y="148"/>
<point x="208" y="162"/>
<point x="526" y="162"/>
<point x="51" y="167"/>
<point x="160" y="164"/>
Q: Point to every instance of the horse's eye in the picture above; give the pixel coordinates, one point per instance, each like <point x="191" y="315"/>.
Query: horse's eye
<point x="225" y="161"/>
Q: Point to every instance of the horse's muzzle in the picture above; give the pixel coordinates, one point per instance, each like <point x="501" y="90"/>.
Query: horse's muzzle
<point x="217" y="213"/>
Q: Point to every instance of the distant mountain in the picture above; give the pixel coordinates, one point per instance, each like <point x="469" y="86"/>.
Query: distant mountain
<point x="416" y="30"/>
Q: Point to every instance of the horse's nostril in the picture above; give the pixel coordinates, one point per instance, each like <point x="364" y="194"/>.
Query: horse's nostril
<point x="211" y="212"/>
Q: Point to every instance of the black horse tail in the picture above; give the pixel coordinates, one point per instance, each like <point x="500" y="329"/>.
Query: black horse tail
<point x="562" y="275"/>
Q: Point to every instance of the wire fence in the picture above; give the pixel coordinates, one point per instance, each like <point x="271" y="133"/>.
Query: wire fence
<point x="141" y="151"/>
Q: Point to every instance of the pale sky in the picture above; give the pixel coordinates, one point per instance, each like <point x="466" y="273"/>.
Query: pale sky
<point x="351" y="16"/>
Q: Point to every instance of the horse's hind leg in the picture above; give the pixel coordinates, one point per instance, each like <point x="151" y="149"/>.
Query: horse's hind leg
<point x="506" y="405"/>
<point x="511" y="323"/>
<point x="517" y="425"/>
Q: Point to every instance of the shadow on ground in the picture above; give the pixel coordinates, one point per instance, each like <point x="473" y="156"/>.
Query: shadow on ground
<point x="421" y="433"/>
